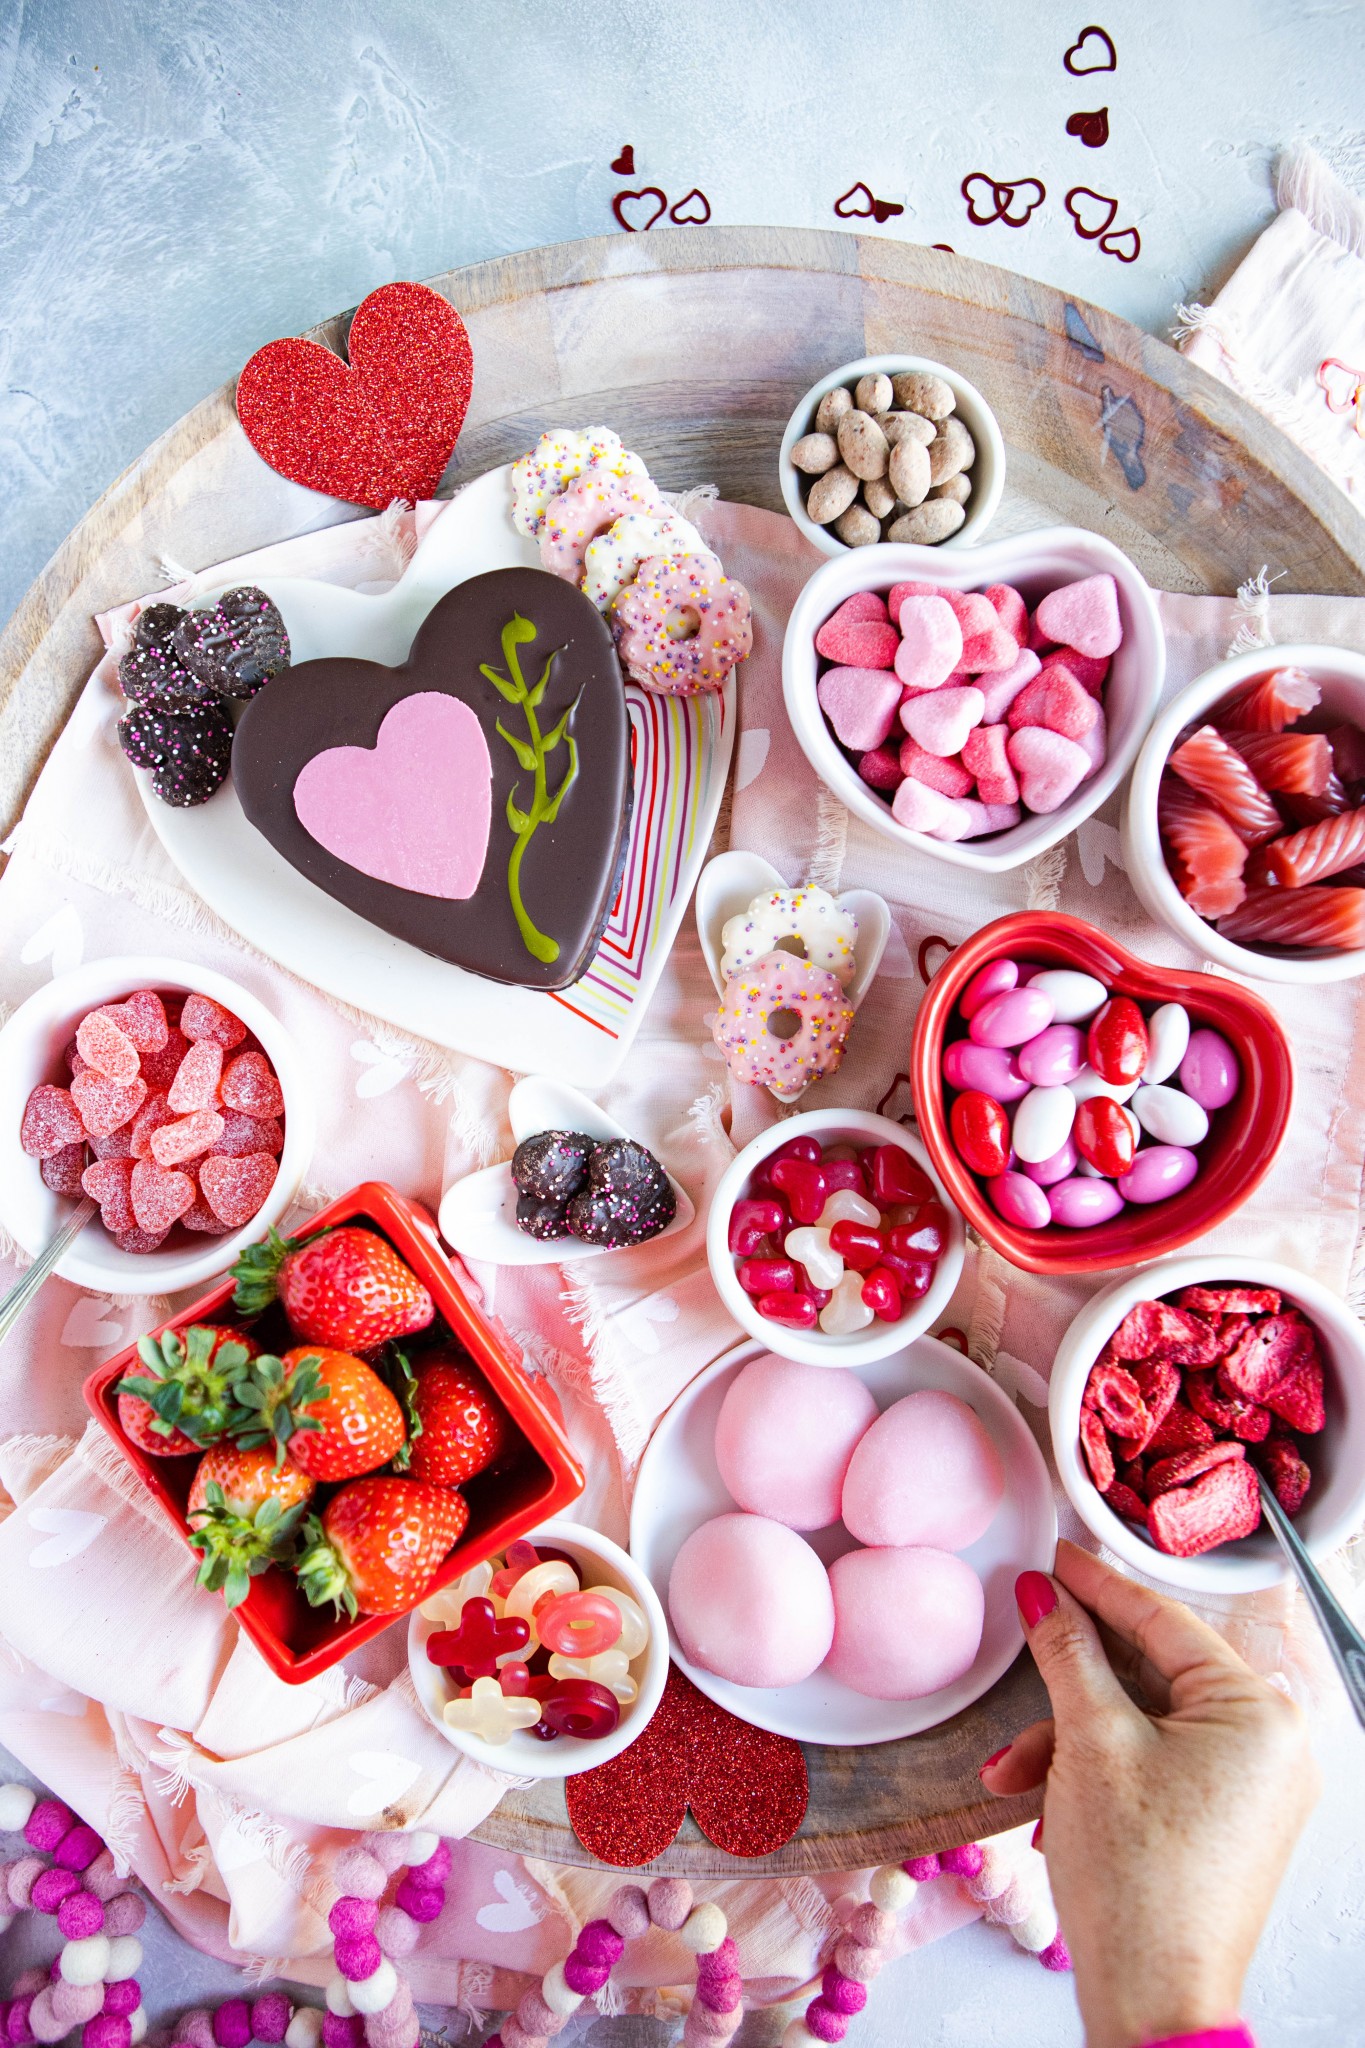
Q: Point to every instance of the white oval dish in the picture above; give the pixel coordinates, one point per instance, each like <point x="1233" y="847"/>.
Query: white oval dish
<point x="1341" y="672"/>
<point x="816" y="1347"/>
<point x="727" y="886"/>
<point x="478" y="1215"/>
<point x="31" y="1048"/>
<point x="987" y="473"/>
<point x="1335" y="1505"/>
<point x="1034" y="563"/>
<point x="522" y="1755"/>
<point x="679" y="1487"/>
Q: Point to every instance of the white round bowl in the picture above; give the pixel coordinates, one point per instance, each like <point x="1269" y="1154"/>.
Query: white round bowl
<point x="1335" y="1507"/>
<point x="1342" y="676"/>
<point x="1034" y="563"/>
<point x="987" y="473"/>
<point x="31" y="1047"/>
<point x="814" y="1347"/>
<point x="522" y="1755"/>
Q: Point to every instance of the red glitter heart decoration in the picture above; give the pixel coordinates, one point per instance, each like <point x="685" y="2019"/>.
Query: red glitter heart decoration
<point x="747" y="1789"/>
<point x="379" y="427"/>
<point x="624" y="165"/>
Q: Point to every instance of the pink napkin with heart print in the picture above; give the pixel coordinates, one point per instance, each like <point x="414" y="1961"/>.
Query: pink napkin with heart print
<point x="1287" y="330"/>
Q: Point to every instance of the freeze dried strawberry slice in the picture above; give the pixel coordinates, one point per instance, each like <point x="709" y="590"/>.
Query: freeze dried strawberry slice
<point x="1159" y="1383"/>
<point x="1222" y="1505"/>
<point x="104" y="1104"/>
<point x="1205" y="855"/>
<point x="160" y="1068"/>
<point x="1180" y="1430"/>
<point x="142" y="1016"/>
<point x="203" y="1018"/>
<point x="1241" y="1418"/>
<point x="196" y="1084"/>
<point x="51" y="1121"/>
<point x="249" y="1084"/>
<point x="1230" y="1301"/>
<point x="1285" y="1467"/>
<point x="1270" y="703"/>
<point x="160" y="1197"/>
<point x="235" y="1188"/>
<point x="1151" y="1328"/>
<point x="63" y="1171"/>
<point x="110" y="1182"/>
<point x="1118" y="1401"/>
<point x="1095" y="1446"/>
<point x="1125" y="1502"/>
<point x="1133" y="1475"/>
<point x="104" y="1047"/>
<point x="1298" y="1399"/>
<point x="188" y="1138"/>
<point x="1187" y="1465"/>
<point x="243" y="1133"/>
<point x="154" y="1112"/>
<point x="1269" y="1350"/>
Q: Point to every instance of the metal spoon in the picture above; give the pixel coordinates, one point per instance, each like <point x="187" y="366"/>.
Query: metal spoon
<point x="13" y="1304"/>
<point x="1344" y="1639"/>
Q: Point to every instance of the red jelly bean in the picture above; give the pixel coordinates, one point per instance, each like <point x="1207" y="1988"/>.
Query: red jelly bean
<point x="897" y="1178"/>
<point x="860" y="1245"/>
<point x="1103" y="1135"/>
<point x="803" y="1185"/>
<point x="882" y="1294"/>
<point x="798" y="1311"/>
<point x="914" y="1277"/>
<point x="581" y="1707"/>
<point x="925" y="1236"/>
<point x="981" y="1132"/>
<point x="819" y="1295"/>
<point x="1116" y="1044"/>
<point x="843" y="1173"/>
<point x="751" y="1222"/>
<point x="767" y="1276"/>
<point x="809" y="1149"/>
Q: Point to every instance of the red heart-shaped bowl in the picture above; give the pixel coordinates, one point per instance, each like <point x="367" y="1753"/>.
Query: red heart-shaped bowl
<point x="1243" y="1137"/>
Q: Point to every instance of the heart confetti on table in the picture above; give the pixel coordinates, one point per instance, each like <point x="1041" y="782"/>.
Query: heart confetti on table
<point x="1092" y="129"/>
<point x="624" y="165"/>
<point x="637" y="212"/>
<point x="747" y="1788"/>
<point x="693" y="209"/>
<point x="1093" y="50"/>
<point x="1011" y="200"/>
<point x="378" y="427"/>
<point x="1092" y="213"/>
<point x="859" y="203"/>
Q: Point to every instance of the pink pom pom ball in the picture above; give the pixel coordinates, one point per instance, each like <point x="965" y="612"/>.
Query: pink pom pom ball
<point x="389" y="1850"/>
<point x="670" y="1902"/>
<point x="396" y="1931"/>
<point x="585" y="1978"/>
<point x="598" y="1944"/>
<point x="536" y="2018"/>
<point x="1056" y="1956"/>
<point x="124" y="1997"/>
<point x="966" y="1861"/>
<point x="360" y="1874"/>
<point x="719" y="1962"/>
<point x="17" y="2029"/>
<point x="435" y="1870"/>
<point x="824" y="2022"/>
<point x="101" y="1878"/>
<point x="80" y="1915"/>
<point x="869" y="1925"/>
<point x="20" y="1879"/>
<point x="922" y="1868"/>
<point x="628" y="1912"/>
<point x="29" y="1982"/>
<point x="47" y="1824"/>
<point x="351" y="1917"/>
<point x="232" y="2024"/>
<point x="343" y="2033"/>
<point x="78" y="1847"/>
<point x="423" y="1902"/>
<point x="77" y="2003"/>
<point x="107" y="2032"/>
<point x="197" y="2028"/>
<point x="46" y="2025"/>
<point x="270" y="2016"/>
<point x="841" y="1993"/>
<point x="357" y="1957"/>
<point x="720" y="1994"/>
<point x="51" y="1888"/>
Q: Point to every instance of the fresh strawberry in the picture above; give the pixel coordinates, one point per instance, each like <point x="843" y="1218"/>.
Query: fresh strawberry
<point x="244" y="1508"/>
<point x="332" y="1412"/>
<point x="188" y="1397"/>
<point x="346" y="1287"/>
<point x="378" y="1544"/>
<point x="458" y="1428"/>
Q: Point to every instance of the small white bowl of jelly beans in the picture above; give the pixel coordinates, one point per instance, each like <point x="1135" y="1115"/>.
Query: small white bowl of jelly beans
<point x="832" y="1239"/>
<point x="1071" y="1100"/>
<point x="545" y="1659"/>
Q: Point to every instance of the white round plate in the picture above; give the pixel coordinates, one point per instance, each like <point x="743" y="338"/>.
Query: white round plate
<point x="681" y="748"/>
<point x="478" y="1215"/>
<point x="679" y="1488"/>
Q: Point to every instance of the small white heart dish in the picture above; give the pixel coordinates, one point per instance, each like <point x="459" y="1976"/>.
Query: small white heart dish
<point x="478" y="1215"/>
<point x="731" y="882"/>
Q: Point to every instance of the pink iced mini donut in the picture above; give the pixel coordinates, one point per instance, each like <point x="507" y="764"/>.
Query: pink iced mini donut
<point x="682" y="625"/>
<point x="926" y="1472"/>
<point x="772" y="991"/>
<point x="594" y="501"/>
<point x="784" y="1436"/>
<point x="750" y="1600"/>
<point x="906" y="1622"/>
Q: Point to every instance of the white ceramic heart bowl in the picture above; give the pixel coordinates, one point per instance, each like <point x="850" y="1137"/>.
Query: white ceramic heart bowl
<point x="987" y="473"/>
<point x="1341" y="676"/>
<point x="1335" y="1507"/>
<point x="603" y="1563"/>
<point x="31" y="1047"/>
<point x="1034" y="563"/>
<point x="814" y="1347"/>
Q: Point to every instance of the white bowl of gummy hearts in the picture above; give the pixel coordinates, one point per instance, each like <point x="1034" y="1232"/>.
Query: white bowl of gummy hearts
<point x="832" y="1239"/>
<point x="172" y="1096"/>
<point x="975" y="707"/>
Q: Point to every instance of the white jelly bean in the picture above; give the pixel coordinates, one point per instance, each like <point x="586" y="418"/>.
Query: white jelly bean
<point x="811" y="1248"/>
<point x="1075" y="996"/>
<point x="1168" y="1034"/>
<point x="1134" y="1126"/>
<point x="846" y="1206"/>
<point x="1088" y="1083"/>
<point x="1042" y="1122"/>
<point x="846" y="1311"/>
<point x="1170" y="1116"/>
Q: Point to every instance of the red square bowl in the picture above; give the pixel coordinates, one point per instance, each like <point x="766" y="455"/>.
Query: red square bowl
<point x="1234" y="1158"/>
<point x="540" y="1479"/>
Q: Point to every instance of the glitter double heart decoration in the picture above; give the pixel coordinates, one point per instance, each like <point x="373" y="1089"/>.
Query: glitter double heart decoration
<point x="1011" y="200"/>
<point x="860" y="203"/>
<point x="1093" y="214"/>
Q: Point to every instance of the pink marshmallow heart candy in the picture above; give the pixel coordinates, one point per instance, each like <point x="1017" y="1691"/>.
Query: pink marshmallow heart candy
<point x="1002" y="685"/>
<point x="1083" y="615"/>
<point x="990" y="650"/>
<point x="988" y="817"/>
<point x="940" y="720"/>
<point x="1049" y="767"/>
<point x="1056" y="700"/>
<point x="857" y="642"/>
<point x="949" y="777"/>
<point x="931" y="641"/>
<point x="864" y="604"/>
<point x="921" y="809"/>
<point x="861" y="705"/>
<point x="1095" y="743"/>
<point x="984" y="753"/>
<point x="975" y="612"/>
<point x="1089" y="671"/>
<point x="896" y="596"/>
<point x="1010" y="609"/>
<point x="881" y="768"/>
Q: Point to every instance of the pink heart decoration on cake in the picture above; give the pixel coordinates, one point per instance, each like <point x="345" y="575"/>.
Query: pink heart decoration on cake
<point x="415" y="809"/>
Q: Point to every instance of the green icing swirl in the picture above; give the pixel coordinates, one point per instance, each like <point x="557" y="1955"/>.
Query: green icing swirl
<point x="532" y="754"/>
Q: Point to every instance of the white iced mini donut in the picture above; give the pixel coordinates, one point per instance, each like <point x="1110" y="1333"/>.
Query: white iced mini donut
<point x="756" y="998"/>
<point x="611" y="561"/>
<point x="560" y="455"/>
<point x="682" y="625"/>
<point x="828" y="933"/>
<point x="592" y="503"/>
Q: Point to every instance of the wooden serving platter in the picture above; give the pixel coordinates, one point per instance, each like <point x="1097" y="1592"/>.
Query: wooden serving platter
<point x="695" y="343"/>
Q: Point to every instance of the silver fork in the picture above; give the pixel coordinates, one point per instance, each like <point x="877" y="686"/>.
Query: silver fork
<point x="13" y="1304"/>
<point x="1344" y="1639"/>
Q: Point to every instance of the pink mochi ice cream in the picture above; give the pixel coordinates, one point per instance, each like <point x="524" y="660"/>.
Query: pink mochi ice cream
<point x="750" y="1600"/>
<point x="784" y="1437"/>
<point x="926" y="1472"/>
<point x="906" y="1622"/>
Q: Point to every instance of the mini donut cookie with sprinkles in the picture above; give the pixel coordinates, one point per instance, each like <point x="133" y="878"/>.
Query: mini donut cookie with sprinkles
<point x="679" y="623"/>
<point x="827" y="932"/>
<point x="782" y="1023"/>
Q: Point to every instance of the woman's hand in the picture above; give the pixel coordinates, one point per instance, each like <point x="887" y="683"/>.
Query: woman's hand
<point x="1166" y="1834"/>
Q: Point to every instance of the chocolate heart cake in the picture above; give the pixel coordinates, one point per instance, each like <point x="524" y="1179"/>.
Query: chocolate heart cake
<point x="474" y="801"/>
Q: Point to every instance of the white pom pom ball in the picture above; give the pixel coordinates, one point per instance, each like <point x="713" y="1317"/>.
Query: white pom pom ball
<point x="16" y="1804"/>
<point x="892" y="1888"/>
<point x="338" y="1995"/>
<point x="421" y="1845"/>
<point x="799" y="2035"/>
<point x="137" y="2021"/>
<point x="86" y="1961"/>
<point x="1038" y="1930"/>
<point x="305" y="2029"/>
<point x="557" y="1994"/>
<point x="704" y="1929"/>
<point x="125" y="1955"/>
<point x="372" y="1994"/>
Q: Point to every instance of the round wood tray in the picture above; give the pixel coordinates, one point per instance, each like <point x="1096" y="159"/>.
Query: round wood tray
<point x="694" y="343"/>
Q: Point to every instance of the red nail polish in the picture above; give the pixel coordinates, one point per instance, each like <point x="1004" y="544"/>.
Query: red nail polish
<point x="994" y="1759"/>
<point x="1035" y="1596"/>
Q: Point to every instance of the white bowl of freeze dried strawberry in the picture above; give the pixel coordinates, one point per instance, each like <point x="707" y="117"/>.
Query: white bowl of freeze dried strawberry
<point x="1177" y="1387"/>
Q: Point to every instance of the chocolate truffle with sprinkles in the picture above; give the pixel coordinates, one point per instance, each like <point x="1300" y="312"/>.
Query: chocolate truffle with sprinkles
<point x="151" y="672"/>
<point x="552" y="1165"/>
<point x="542" y="1220"/>
<point x="628" y="1199"/>
<point x="234" y="645"/>
<point x="187" y="749"/>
